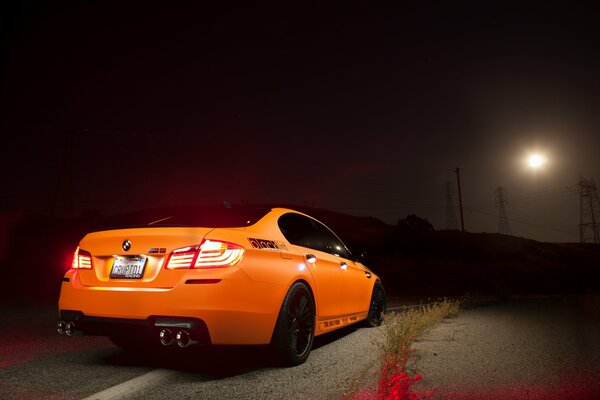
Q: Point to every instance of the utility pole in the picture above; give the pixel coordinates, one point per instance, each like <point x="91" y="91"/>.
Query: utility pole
<point x="503" y="224"/>
<point x="589" y="211"/>
<point x="462" y="219"/>
<point x="451" y="223"/>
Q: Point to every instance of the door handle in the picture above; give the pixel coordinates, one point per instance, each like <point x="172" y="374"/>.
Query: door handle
<point x="343" y="265"/>
<point x="368" y="274"/>
<point x="311" y="258"/>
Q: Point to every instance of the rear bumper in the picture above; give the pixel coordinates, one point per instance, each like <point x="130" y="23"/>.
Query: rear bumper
<point x="143" y="329"/>
<point x="232" y="308"/>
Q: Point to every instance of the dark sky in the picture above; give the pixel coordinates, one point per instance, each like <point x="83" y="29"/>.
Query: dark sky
<point x="349" y="105"/>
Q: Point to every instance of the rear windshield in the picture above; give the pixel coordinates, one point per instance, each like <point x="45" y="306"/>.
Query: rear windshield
<point x="192" y="216"/>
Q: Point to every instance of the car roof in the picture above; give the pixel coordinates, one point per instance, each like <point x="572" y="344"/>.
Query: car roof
<point x="215" y="216"/>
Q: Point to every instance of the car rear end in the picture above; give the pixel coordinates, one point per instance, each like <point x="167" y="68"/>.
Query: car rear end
<point x="169" y="285"/>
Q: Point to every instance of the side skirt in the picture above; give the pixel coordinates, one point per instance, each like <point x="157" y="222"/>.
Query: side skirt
<point x="330" y="324"/>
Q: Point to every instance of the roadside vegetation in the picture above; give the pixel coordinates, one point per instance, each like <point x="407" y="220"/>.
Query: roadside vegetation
<point x="400" y="331"/>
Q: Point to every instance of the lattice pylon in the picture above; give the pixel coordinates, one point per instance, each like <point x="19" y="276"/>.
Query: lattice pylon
<point x="503" y="223"/>
<point x="589" y="211"/>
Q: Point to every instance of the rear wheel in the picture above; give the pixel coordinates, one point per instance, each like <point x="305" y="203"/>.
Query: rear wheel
<point x="377" y="307"/>
<point x="294" y="331"/>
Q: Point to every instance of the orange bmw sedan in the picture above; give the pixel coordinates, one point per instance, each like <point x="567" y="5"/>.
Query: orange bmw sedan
<point x="218" y="275"/>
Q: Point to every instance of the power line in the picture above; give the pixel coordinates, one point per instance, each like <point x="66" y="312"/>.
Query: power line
<point x="544" y="192"/>
<point x="535" y="200"/>
<point x="533" y="197"/>
<point x="520" y="221"/>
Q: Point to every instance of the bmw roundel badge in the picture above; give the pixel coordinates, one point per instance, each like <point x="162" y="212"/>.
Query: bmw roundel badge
<point x="126" y="245"/>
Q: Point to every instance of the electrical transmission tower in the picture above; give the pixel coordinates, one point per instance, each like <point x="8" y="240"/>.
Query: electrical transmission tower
<point x="451" y="223"/>
<point x="503" y="225"/>
<point x="589" y="214"/>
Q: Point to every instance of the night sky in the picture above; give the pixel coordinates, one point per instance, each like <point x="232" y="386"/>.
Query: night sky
<point x="355" y="106"/>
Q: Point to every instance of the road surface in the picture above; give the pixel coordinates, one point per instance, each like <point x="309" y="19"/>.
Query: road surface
<point x="36" y="362"/>
<point x="529" y="349"/>
<point x="535" y="349"/>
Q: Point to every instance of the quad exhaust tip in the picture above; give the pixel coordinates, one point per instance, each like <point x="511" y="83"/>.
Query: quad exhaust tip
<point x="166" y="337"/>
<point x="70" y="328"/>
<point x="65" y="327"/>
<point x="183" y="338"/>
<point x="60" y="327"/>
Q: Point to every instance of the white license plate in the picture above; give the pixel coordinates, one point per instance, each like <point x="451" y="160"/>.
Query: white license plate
<point x="128" y="267"/>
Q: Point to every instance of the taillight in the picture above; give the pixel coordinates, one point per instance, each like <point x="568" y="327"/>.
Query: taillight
<point x="218" y="254"/>
<point x="182" y="258"/>
<point x="82" y="259"/>
<point x="209" y="254"/>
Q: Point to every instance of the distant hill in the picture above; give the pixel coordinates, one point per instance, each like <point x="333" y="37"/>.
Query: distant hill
<point x="414" y="259"/>
<point x="411" y="257"/>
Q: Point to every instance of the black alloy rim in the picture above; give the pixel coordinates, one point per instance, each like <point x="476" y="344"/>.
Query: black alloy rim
<point x="378" y="305"/>
<point x="300" y="321"/>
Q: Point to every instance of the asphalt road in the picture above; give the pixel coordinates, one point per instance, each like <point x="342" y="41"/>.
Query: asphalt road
<point x="534" y="349"/>
<point x="528" y="349"/>
<point x="36" y="362"/>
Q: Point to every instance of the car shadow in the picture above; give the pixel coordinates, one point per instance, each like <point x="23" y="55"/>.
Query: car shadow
<point x="213" y="362"/>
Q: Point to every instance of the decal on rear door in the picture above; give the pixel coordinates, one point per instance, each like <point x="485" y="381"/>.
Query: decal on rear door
<point x="267" y="244"/>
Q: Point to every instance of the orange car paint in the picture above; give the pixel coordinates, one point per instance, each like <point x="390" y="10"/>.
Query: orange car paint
<point x="241" y="304"/>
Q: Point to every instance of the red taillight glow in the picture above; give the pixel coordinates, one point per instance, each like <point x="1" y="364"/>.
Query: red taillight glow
<point x="81" y="259"/>
<point x="75" y="262"/>
<point x="218" y="254"/>
<point x="209" y="254"/>
<point x="182" y="258"/>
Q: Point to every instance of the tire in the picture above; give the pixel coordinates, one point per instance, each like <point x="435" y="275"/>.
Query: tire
<point x="295" y="328"/>
<point x="377" y="307"/>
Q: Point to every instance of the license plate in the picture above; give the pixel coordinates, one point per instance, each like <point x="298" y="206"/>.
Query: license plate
<point x="128" y="267"/>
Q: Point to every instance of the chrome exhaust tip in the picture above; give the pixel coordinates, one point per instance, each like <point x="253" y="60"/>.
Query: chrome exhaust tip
<point x="70" y="328"/>
<point x="183" y="338"/>
<point x="60" y="327"/>
<point x="166" y="337"/>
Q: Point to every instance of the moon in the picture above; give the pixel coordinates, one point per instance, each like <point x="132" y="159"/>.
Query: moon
<point x="536" y="160"/>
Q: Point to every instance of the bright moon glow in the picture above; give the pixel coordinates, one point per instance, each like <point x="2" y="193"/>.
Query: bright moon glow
<point x="536" y="160"/>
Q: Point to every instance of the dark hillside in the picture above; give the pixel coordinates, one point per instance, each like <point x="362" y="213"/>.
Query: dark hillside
<point x="358" y="233"/>
<point x="438" y="263"/>
<point x="412" y="258"/>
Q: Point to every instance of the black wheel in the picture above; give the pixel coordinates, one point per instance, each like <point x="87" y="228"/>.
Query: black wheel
<point x="378" y="306"/>
<point x="295" y="328"/>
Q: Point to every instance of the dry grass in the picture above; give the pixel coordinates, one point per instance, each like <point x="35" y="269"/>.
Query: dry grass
<point x="402" y="329"/>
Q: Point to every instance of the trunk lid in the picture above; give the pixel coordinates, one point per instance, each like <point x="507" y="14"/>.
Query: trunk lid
<point x="148" y="247"/>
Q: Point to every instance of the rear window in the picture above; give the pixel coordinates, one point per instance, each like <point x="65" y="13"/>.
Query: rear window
<point x="191" y="216"/>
